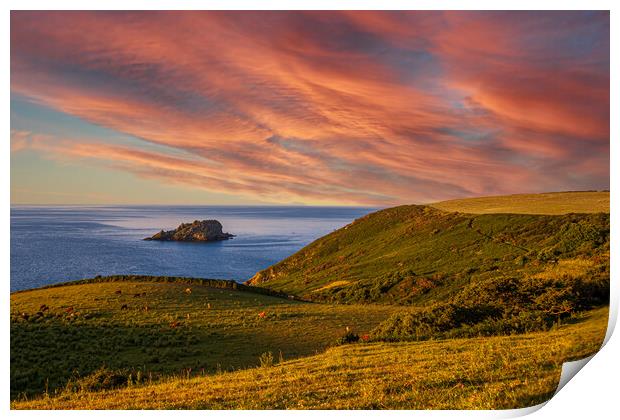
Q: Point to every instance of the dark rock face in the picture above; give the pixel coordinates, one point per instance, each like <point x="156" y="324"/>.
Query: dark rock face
<point x="198" y="231"/>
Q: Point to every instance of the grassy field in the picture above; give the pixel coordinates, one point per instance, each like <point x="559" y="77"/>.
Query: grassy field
<point x="479" y="373"/>
<point x="549" y="203"/>
<point x="207" y="330"/>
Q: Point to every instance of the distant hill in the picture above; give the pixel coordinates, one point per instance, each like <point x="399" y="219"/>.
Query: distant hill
<point x="420" y="254"/>
<point x="547" y="203"/>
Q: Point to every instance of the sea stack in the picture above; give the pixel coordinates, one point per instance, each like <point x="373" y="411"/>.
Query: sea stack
<point x="198" y="231"/>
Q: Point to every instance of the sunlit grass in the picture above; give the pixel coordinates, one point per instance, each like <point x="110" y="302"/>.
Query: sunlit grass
<point x="549" y="203"/>
<point x="480" y="373"/>
<point x="570" y="267"/>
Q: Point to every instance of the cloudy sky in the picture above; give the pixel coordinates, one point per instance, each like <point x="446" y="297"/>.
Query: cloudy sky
<point x="342" y="108"/>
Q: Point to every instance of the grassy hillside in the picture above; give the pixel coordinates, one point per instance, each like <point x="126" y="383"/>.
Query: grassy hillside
<point x="548" y="203"/>
<point x="481" y="373"/>
<point x="163" y="330"/>
<point x="443" y="310"/>
<point x="420" y="255"/>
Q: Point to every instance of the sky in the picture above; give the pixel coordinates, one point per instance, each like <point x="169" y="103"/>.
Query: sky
<point x="313" y="108"/>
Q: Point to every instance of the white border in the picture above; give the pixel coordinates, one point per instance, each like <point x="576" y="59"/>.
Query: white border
<point x="593" y="393"/>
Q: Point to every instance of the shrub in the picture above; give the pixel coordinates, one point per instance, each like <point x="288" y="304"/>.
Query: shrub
<point x="500" y="306"/>
<point x="348" y="338"/>
<point x="525" y="322"/>
<point x="432" y="322"/>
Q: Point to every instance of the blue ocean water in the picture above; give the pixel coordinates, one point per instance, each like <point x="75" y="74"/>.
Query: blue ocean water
<point x="55" y="244"/>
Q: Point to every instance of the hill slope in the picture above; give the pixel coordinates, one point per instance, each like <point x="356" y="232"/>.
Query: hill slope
<point x="419" y="254"/>
<point x="479" y="373"/>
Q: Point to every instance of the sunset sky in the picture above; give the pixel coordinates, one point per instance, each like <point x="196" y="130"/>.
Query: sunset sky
<point x="325" y="108"/>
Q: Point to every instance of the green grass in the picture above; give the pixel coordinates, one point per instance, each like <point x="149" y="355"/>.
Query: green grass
<point x="419" y="255"/>
<point x="45" y="351"/>
<point x="478" y="373"/>
<point x="549" y="203"/>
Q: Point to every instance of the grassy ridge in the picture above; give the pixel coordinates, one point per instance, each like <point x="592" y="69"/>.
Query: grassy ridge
<point x="547" y="203"/>
<point x="481" y="373"/>
<point x="418" y="254"/>
<point x="189" y="281"/>
<point x="207" y="330"/>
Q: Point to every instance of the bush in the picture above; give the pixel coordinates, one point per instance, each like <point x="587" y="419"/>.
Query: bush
<point x="349" y="338"/>
<point x="523" y="323"/>
<point x="502" y="306"/>
<point x="432" y="322"/>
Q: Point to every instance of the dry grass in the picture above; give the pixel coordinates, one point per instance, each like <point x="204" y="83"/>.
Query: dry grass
<point x="574" y="267"/>
<point x="548" y="203"/>
<point x="333" y="284"/>
<point x="481" y="373"/>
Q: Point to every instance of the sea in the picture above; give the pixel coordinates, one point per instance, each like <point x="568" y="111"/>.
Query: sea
<point x="62" y="243"/>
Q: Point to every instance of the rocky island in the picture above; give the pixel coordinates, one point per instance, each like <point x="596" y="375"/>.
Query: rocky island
<point x="198" y="231"/>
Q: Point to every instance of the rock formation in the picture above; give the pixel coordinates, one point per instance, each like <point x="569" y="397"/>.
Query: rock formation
<point x="198" y="231"/>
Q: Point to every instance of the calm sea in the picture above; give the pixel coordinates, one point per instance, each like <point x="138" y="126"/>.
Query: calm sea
<point x="55" y="244"/>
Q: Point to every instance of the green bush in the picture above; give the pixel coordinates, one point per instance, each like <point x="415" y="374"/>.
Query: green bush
<point x="525" y="322"/>
<point x="348" y="338"/>
<point x="432" y="322"/>
<point x="501" y="306"/>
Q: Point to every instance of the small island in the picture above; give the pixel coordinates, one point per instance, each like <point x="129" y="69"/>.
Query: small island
<point x="198" y="231"/>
